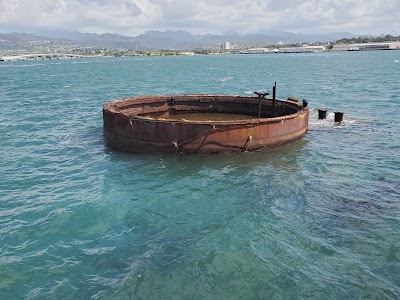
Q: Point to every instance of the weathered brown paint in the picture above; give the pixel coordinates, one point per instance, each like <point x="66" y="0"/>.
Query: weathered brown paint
<point x="138" y="124"/>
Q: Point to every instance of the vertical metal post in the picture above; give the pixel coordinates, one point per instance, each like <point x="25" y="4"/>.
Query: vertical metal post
<point x="338" y="116"/>
<point x="321" y="114"/>
<point x="273" y="99"/>
<point x="260" y="96"/>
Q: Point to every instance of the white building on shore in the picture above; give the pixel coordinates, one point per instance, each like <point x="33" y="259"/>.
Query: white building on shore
<point x="367" y="46"/>
<point x="256" y="50"/>
<point x="304" y="49"/>
<point x="226" y="45"/>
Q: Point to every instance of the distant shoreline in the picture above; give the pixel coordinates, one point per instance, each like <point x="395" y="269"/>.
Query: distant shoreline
<point x="251" y="51"/>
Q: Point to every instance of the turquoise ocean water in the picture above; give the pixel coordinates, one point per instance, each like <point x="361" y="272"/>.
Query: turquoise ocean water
<point x="318" y="218"/>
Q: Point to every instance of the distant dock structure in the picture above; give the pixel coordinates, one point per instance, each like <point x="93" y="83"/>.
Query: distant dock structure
<point x="303" y="49"/>
<point x="367" y="46"/>
<point x="44" y="56"/>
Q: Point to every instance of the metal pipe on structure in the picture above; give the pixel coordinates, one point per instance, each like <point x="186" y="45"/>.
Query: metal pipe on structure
<point x="259" y="105"/>
<point x="273" y="99"/>
<point x="260" y="96"/>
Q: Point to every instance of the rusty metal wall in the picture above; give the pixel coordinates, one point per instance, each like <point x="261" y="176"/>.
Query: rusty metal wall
<point x="128" y="126"/>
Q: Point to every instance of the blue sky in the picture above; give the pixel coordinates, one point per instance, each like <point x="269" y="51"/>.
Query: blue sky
<point x="133" y="17"/>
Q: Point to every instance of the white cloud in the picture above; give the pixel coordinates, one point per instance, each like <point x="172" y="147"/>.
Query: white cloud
<point x="133" y="17"/>
<point x="96" y="15"/>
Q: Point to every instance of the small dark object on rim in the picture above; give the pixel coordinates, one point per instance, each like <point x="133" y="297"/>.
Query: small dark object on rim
<point x="293" y="99"/>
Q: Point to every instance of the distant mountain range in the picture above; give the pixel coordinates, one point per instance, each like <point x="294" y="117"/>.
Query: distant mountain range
<point x="155" y="40"/>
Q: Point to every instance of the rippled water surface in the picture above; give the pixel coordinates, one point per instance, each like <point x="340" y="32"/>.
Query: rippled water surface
<point x="318" y="218"/>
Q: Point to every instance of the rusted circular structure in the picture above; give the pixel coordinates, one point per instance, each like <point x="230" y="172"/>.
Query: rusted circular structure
<point x="162" y="123"/>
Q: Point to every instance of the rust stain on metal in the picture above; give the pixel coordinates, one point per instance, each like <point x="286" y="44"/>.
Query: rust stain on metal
<point x="144" y="123"/>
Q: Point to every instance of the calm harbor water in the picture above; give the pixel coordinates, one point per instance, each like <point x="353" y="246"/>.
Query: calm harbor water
<point x="318" y="218"/>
